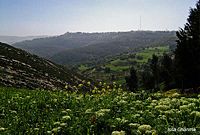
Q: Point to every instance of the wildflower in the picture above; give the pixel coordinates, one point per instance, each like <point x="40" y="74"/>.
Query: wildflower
<point x="175" y="95"/>
<point x="149" y="99"/>
<point x="149" y="107"/>
<point x="99" y="114"/>
<point x="184" y="107"/>
<point x="55" y="100"/>
<point x="100" y="83"/>
<point x="63" y="124"/>
<point x="154" y="101"/>
<point x="122" y="102"/>
<point x="68" y="110"/>
<point x="83" y="81"/>
<point x="56" y="123"/>
<point x="102" y="112"/>
<point x="49" y="132"/>
<point x="88" y="111"/>
<point x="118" y="133"/>
<point x="66" y="87"/>
<point x="184" y="102"/>
<point x="136" y="115"/>
<point x="55" y="130"/>
<point x="162" y="107"/>
<point x="144" y="128"/>
<point x="134" y="125"/>
<point x="64" y="112"/>
<point x="80" y="85"/>
<point x="2" y="129"/>
<point x="66" y="117"/>
<point x="196" y="113"/>
<point x="122" y="121"/>
<point x="148" y="132"/>
<point x="13" y="111"/>
<point x="88" y="83"/>
<point x="36" y="129"/>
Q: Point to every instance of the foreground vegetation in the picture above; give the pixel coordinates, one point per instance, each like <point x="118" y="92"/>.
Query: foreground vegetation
<point x="103" y="111"/>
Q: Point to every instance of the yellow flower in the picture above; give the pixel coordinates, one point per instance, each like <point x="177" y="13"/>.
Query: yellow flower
<point x="134" y="125"/>
<point x="36" y="129"/>
<point x="2" y="129"/>
<point x="63" y="124"/>
<point x="80" y="85"/>
<point x="89" y="83"/>
<point x="88" y="111"/>
<point x="144" y="128"/>
<point x="66" y="117"/>
<point x="118" y="133"/>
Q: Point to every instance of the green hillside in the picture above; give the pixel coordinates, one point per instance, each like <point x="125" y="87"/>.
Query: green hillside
<point x="117" y="67"/>
<point x="107" y="111"/>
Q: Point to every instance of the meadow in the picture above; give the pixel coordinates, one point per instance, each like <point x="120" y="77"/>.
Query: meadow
<point x="104" y="110"/>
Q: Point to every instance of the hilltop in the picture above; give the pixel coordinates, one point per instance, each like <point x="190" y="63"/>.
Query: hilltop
<point x="21" y="69"/>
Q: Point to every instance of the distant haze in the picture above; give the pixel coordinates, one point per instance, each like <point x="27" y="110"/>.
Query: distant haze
<point x="55" y="17"/>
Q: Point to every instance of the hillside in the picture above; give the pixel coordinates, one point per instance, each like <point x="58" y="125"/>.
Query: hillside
<point x="73" y="48"/>
<point x="115" y="68"/>
<point x="21" y="69"/>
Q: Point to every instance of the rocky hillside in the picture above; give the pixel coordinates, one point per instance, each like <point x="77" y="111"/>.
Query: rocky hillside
<point x="21" y="69"/>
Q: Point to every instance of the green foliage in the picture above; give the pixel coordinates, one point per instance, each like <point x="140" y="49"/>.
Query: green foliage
<point x="187" y="56"/>
<point x="109" y="110"/>
<point x="132" y="80"/>
<point x="158" y="73"/>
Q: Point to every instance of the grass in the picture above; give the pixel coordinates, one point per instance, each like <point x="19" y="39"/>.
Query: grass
<point x="148" y="52"/>
<point x="107" y="110"/>
<point x="117" y="68"/>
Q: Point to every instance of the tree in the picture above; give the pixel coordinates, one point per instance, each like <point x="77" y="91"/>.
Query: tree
<point x="132" y="80"/>
<point x="187" y="53"/>
<point x="147" y="80"/>
<point x="155" y="70"/>
<point x="166" y="71"/>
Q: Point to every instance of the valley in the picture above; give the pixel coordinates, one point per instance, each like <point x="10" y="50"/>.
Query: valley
<point x="114" y="68"/>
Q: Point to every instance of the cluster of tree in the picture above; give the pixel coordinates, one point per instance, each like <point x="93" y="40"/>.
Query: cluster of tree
<point x="183" y="71"/>
<point x="157" y="74"/>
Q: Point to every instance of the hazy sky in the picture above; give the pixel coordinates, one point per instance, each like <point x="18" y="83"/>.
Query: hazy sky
<point x="53" y="17"/>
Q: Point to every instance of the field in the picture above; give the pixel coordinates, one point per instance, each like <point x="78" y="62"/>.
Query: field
<point x="104" y="110"/>
<point x="116" y="67"/>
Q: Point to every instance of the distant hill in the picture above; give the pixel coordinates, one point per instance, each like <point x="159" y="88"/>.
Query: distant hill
<point x="21" y="69"/>
<point x="72" y="48"/>
<point x="118" y="43"/>
<point x="14" y="39"/>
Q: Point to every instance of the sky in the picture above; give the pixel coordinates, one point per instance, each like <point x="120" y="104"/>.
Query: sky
<point x="55" y="17"/>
